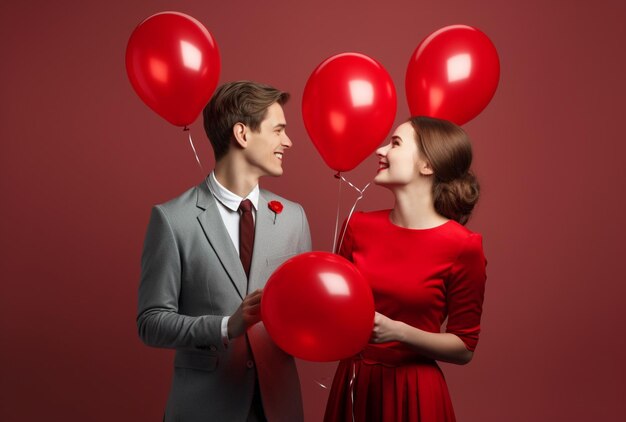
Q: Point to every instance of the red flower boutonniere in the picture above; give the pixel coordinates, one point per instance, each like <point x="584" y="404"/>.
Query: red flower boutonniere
<point x="276" y="207"/>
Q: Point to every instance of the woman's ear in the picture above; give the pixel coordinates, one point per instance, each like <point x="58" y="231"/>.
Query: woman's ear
<point x="425" y="168"/>
<point x="239" y="133"/>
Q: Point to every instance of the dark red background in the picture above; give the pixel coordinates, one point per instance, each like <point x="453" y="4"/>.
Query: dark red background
<point x="83" y="160"/>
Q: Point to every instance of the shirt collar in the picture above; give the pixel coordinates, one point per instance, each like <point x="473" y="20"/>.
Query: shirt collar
<point x="227" y="198"/>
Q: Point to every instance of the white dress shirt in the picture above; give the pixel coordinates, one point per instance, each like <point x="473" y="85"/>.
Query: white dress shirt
<point x="228" y="206"/>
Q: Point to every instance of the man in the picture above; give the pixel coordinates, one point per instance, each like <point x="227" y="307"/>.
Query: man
<point x="206" y="258"/>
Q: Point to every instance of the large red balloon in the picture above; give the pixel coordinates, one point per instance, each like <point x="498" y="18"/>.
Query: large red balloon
<point x="317" y="306"/>
<point x="452" y="74"/>
<point x="348" y="107"/>
<point x="173" y="63"/>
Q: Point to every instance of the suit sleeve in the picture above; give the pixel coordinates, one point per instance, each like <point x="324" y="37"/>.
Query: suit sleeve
<point x="304" y="243"/>
<point x="466" y="291"/>
<point x="158" y="321"/>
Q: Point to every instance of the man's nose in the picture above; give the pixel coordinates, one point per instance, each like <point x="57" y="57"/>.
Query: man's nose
<point x="287" y="142"/>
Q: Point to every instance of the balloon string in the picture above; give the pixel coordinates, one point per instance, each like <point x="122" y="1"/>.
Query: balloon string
<point x="321" y="385"/>
<point x="361" y="193"/>
<point x="337" y="176"/>
<point x="186" y="129"/>
<point x="351" y="387"/>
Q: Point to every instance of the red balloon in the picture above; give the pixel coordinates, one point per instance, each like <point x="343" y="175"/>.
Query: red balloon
<point x="348" y="107"/>
<point x="317" y="306"/>
<point x="452" y="74"/>
<point x="173" y="63"/>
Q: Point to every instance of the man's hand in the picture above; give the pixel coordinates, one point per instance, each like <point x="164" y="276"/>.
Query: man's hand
<point x="246" y="315"/>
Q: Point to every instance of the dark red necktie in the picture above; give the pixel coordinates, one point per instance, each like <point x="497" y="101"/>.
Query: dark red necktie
<point x="246" y="235"/>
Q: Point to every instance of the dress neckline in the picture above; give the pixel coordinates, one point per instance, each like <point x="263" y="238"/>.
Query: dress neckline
<point x="391" y="223"/>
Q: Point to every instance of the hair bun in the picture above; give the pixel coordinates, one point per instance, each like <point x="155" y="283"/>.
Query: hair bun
<point x="456" y="199"/>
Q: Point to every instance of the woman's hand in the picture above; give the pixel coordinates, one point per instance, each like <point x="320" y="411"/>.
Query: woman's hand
<point x="446" y="347"/>
<point x="385" y="329"/>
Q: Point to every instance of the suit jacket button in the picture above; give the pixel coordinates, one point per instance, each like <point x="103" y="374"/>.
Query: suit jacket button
<point x="250" y="364"/>
<point x="212" y="348"/>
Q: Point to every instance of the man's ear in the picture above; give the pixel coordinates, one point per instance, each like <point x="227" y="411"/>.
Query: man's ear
<point x="425" y="168"/>
<point x="240" y="132"/>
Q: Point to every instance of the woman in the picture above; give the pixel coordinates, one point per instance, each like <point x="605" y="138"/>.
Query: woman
<point x="423" y="265"/>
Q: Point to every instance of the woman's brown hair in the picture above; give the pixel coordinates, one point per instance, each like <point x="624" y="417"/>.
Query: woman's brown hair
<point x="449" y="153"/>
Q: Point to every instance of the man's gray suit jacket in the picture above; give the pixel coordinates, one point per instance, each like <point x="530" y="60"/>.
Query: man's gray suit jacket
<point x="191" y="278"/>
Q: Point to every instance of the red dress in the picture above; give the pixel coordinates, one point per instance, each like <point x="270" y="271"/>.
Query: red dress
<point x="419" y="277"/>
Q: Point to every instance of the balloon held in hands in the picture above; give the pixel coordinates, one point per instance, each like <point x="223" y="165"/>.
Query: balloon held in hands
<point x="317" y="306"/>
<point x="348" y="107"/>
<point x="173" y="64"/>
<point x="453" y="74"/>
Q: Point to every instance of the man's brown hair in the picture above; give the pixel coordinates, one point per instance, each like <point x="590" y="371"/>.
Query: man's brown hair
<point x="237" y="102"/>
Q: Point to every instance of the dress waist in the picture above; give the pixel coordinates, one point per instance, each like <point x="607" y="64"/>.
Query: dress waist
<point x="391" y="357"/>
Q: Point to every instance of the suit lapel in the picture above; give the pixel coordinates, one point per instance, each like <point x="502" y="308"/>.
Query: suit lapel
<point x="217" y="235"/>
<point x="263" y="228"/>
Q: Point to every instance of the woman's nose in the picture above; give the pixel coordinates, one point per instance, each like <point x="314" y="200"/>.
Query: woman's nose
<point x="382" y="151"/>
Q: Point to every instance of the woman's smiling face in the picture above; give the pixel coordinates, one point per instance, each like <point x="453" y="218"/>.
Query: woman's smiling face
<point x="400" y="162"/>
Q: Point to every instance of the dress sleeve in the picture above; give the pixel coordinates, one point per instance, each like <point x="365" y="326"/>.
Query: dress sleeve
<point x="466" y="291"/>
<point x="345" y="242"/>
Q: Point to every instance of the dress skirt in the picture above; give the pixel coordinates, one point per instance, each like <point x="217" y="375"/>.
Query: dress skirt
<point x="388" y="387"/>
